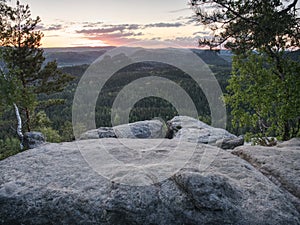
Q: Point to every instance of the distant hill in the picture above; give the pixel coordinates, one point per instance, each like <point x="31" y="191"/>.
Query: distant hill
<point x="74" y="56"/>
<point x="87" y="55"/>
<point x="222" y="58"/>
<point x="77" y="49"/>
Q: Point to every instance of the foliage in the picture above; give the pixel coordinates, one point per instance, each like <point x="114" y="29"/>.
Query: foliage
<point x="264" y="90"/>
<point x="50" y="134"/>
<point x="8" y="147"/>
<point x="261" y="100"/>
<point x="246" y="24"/>
<point x="66" y="133"/>
<point x="23" y="75"/>
<point x="41" y="120"/>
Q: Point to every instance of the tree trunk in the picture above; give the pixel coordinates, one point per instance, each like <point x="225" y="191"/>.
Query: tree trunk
<point x="286" y="131"/>
<point x="19" y="127"/>
<point x="27" y="119"/>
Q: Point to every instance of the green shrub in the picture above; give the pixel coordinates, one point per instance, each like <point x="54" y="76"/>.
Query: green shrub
<point x="9" y="147"/>
<point x="50" y="134"/>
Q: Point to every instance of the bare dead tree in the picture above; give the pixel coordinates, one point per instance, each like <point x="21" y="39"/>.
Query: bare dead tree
<point x="19" y="126"/>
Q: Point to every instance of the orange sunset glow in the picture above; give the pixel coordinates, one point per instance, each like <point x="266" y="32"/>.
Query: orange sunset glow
<point x="104" y="23"/>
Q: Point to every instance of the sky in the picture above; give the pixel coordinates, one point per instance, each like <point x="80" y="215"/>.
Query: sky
<point x="69" y="23"/>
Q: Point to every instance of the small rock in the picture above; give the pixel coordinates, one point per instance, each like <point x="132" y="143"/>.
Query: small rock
<point x="106" y="132"/>
<point x="230" y="143"/>
<point x="33" y="139"/>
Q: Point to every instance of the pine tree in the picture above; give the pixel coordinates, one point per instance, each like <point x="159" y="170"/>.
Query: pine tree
<point x="24" y="75"/>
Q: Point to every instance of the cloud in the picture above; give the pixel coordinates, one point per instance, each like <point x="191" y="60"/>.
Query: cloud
<point x="179" y="10"/>
<point x="53" y="36"/>
<point x="123" y="34"/>
<point x="40" y="27"/>
<point x="156" y="39"/>
<point x="91" y="24"/>
<point x="98" y="30"/>
<point x="110" y="29"/>
<point x="187" y="20"/>
<point x="106" y="28"/>
<point x="52" y="27"/>
<point x="113" y="39"/>
<point x="124" y="26"/>
<point x="161" y="25"/>
<point x="201" y="33"/>
<point x="187" y="42"/>
<point x="118" y="35"/>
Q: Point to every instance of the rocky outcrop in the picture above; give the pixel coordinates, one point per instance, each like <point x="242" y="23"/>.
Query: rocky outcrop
<point x="54" y="184"/>
<point x="183" y="128"/>
<point x="280" y="164"/>
<point x="33" y="139"/>
<point x="142" y="129"/>
<point x="192" y="130"/>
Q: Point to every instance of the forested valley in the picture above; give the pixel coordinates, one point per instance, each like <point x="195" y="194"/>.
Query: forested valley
<point x="56" y="120"/>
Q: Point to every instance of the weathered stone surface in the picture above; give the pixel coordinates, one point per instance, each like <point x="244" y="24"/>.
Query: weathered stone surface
<point x="192" y="130"/>
<point x="179" y="122"/>
<point x="230" y="143"/>
<point x="90" y="134"/>
<point x="53" y="184"/>
<point x="102" y="132"/>
<point x="142" y="129"/>
<point x="295" y="142"/>
<point x="33" y="139"/>
<point x="281" y="165"/>
<point x="106" y="132"/>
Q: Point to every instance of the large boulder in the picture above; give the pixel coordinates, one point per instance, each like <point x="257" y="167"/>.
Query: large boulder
<point x="142" y="129"/>
<point x="192" y="130"/>
<point x="33" y="139"/>
<point x="148" y="129"/>
<point x="54" y="184"/>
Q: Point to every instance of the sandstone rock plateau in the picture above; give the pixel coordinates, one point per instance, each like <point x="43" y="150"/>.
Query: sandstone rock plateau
<point x="143" y="182"/>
